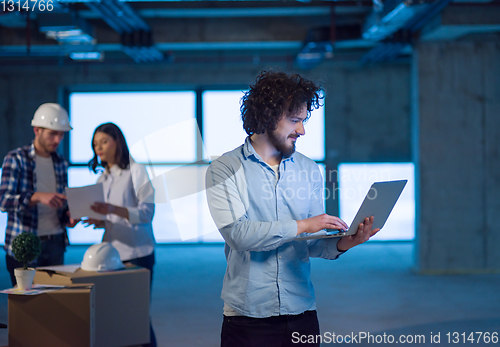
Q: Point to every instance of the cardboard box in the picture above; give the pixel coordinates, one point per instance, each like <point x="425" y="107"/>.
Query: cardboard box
<point x="121" y="302"/>
<point x="60" y="318"/>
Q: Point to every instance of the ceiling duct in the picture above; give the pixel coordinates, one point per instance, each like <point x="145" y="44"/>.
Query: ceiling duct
<point x="395" y="28"/>
<point x="391" y="17"/>
<point x="138" y="45"/>
<point x="320" y="43"/>
<point x="66" y="28"/>
<point x="135" y="34"/>
<point x="316" y="48"/>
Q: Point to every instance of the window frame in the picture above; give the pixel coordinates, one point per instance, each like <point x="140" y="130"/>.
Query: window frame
<point x="66" y="92"/>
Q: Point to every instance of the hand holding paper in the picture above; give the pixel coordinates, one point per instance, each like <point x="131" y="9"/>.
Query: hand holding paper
<point x="103" y="208"/>
<point x="81" y="198"/>
<point x="71" y="222"/>
<point x="97" y="224"/>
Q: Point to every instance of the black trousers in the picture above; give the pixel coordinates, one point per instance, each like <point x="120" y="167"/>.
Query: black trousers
<point x="279" y="331"/>
<point x="148" y="262"/>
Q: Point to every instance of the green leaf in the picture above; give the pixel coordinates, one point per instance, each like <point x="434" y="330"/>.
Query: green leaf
<point x="26" y="248"/>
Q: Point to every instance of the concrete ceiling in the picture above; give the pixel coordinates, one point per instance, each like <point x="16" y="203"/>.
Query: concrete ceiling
<point x="234" y="31"/>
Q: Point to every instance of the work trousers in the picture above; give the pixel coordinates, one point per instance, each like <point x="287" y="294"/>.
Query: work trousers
<point x="278" y="331"/>
<point x="147" y="262"/>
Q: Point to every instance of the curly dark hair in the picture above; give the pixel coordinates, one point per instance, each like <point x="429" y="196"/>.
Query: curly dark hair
<point x="275" y="94"/>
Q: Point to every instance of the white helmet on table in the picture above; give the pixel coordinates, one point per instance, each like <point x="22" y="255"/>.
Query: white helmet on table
<point x="102" y="257"/>
<point x="51" y="116"/>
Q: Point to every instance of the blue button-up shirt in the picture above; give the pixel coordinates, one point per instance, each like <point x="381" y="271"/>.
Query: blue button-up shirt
<point x="268" y="273"/>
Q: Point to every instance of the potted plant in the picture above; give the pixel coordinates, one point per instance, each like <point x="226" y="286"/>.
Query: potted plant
<point x="26" y="248"/>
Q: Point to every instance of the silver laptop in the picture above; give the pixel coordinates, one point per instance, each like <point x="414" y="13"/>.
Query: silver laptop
<point x="378" y="202"/>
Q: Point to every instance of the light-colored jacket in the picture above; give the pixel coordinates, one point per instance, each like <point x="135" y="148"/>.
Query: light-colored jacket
<point x="132" y="189"/>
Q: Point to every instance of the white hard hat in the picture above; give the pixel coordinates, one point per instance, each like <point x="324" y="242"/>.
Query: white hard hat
<point x="101" y="257"/>
<point x="51" y="116"/>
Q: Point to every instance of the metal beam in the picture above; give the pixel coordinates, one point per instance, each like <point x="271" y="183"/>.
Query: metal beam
<point x="389" y="49"/>
<point x="56" y="49"/>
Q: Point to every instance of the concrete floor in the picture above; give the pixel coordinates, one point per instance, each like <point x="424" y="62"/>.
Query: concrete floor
<point x="370" y="289"/>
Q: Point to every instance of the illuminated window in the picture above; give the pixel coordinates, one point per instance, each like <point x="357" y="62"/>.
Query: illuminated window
<point x="355" y="181"/>
<point x="158" y="126"/>
<point x="181" y="210"/>
<point x="161" y="132"/>
<point x="222" y="125"/>
<point x="223" y="128"/>
<point x="312" y="144"/>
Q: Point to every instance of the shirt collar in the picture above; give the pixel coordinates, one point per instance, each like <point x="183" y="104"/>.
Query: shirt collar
<point x="32" y="153"/>
<point x="115" y="170"/>
<point x="248" y="151"/>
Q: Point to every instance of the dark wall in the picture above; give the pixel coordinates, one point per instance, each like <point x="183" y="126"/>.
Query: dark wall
<point x="367" y="108"/>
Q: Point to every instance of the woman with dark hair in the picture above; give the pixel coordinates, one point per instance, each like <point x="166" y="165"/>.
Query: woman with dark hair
<point x="129" y="200"/>
<point x="121" y="155"/>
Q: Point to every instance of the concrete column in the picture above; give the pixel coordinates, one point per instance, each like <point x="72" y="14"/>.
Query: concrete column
<point x="456" y="128"/>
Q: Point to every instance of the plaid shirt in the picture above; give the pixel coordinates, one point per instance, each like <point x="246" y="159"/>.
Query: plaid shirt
<point x="18" y="186"/>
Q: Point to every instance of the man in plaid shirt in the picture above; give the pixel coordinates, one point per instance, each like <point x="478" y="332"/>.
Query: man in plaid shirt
<point x="32" y="189"/>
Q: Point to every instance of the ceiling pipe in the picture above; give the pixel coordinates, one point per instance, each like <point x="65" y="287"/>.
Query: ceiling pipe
<point x="418" y="22"/>
<point x="333" y="21"/>
<point x="402" y="35"/>
<point x="119" y="13"/>
<point x="135" y="33"/>
<point x="115" y="23"/>
<point x="28" y="33"/>
<point x="318" y="45"/>
<point x="129" y="12"/>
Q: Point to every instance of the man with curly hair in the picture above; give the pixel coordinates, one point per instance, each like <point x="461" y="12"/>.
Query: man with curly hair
<point x="261" y="196"/>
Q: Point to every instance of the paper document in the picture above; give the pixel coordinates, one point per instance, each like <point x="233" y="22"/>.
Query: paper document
<point x="35" y="289"/>
<point x="81" y="198"/>
<point x="72" y="268"/>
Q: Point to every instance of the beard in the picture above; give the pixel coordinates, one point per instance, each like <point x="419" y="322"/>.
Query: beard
<point x="279" y="142"/>
<point x="46" y="145"/>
